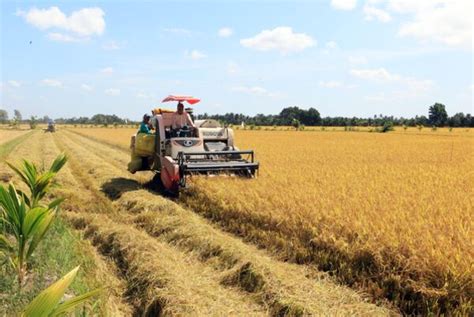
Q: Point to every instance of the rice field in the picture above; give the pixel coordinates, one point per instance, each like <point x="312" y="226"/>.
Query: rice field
<point x="335" y="222"/>
<point x="157" y="257"/>
<point x="8" y="135"/>
<point x="391" y="214"/>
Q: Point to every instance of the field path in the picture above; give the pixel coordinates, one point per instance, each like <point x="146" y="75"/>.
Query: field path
<point x="175" y="262"/>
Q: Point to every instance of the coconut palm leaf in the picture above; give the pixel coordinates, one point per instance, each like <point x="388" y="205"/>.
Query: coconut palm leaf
<point x="47" y="302"/>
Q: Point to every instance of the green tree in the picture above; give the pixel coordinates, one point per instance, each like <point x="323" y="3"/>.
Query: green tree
<point x="456" y="120"/>
<point x="33" y="122"/>
<point x="296" y="123"/>
<point x="387" y="126"/>
<point x="17" y="115"/>
<point x="3" y="116"/>
<point x="438" y="115"/>
<point x="310" y="117"/>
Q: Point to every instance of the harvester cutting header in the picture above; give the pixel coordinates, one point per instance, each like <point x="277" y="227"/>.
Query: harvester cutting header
<point x="178" y="147"/>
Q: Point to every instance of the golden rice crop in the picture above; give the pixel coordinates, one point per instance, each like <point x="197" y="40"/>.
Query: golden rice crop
<point x="195" y="255"/>
<point x="391" y="213"/>
<point x="7" y="135"/>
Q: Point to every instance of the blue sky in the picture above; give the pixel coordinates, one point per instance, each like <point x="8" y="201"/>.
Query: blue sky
<point x="343" y="57"/>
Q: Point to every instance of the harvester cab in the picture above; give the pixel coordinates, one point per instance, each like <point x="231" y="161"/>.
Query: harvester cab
<point x="51" y="126"/>
<point x="206" y="148"/>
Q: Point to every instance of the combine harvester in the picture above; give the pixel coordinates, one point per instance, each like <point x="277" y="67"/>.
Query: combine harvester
<point x="176" y="153"/>
<point x="51" y="127"/>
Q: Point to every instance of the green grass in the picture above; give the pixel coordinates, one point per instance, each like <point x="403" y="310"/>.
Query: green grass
<point x="58" y="253"/>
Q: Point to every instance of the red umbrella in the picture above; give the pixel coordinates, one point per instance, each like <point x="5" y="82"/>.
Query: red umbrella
<point x="188" y="99"/>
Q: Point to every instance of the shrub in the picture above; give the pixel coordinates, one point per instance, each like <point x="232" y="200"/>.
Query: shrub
<point x="387" y="126"/>
<point x="33" y="122"/>
<point x="295" y="123"/>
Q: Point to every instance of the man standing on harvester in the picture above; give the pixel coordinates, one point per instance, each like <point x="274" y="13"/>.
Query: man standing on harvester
<point x="181" y="118"/>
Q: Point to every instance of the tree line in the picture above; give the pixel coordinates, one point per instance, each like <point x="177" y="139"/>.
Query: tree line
<point x="437" y="116"/>
<point x="98" y="119"/>
<point x="295" y="116"/>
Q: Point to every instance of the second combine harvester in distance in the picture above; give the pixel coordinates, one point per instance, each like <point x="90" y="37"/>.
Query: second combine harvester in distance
<point x="207" y="148"/>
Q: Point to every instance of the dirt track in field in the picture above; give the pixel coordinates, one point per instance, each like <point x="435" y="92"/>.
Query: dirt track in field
<point x="166" y="260"/>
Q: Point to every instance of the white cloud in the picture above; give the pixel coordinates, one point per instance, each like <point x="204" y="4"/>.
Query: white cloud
<point x="443" y="21"/>
<point x="255" y="90"/>
<point x="447" y="21"/>
<point x="107" y="70"/>
<point x="232" y="68"/>
<point x="330" y="84"/>
<point x="372" y="13"/>
<point x="379" y="74"/>
<point x="59" y="37"/>
<point x="86" y="87"/>
<point x="379" y="97"/>
<point x="83" y="22"/>
<point x="344" y="4"/>
<point x="331" y="45"/>
<point x="225" y="32"/>
<point x="14" y="83"/>
<point x="51" y="82"/>
<point x="382" y="75"/>
<point x="195" y="54"/>
<point x="405" y="6"/>
<point x="145" y="95"/>
<point x="418" y="84"/>
<point x="281" y="39"/>
<point x="112" y="92"/>
<point x="111" y="46"/>
<point x="357" y="60"/>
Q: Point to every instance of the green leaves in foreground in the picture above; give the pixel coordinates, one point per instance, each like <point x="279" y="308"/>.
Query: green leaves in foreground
<point x="38" y="183"/>
<point x="25" y="227"/>
<point x="47" y="302"/>
<point x="23" y="221"/>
